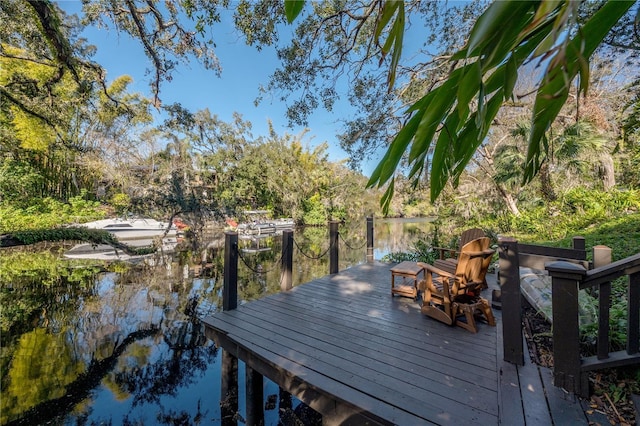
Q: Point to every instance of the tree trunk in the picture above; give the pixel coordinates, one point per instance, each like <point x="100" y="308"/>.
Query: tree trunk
<point x="508" y="199"/>
<point x="607" y="172"/>
<point x="546" y="186"/>
<point x="511" y="204"/>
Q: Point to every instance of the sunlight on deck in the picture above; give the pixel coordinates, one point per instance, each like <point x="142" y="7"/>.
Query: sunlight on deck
<point x="354" y="287"/>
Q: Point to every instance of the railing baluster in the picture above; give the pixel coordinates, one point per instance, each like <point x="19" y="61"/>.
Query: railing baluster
<point x="604" y="305"/>
<point x="633" y="316"/>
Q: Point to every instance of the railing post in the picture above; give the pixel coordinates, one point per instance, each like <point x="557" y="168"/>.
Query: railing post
<point x="601" y="257"/>
<point x="230" y="283"/>
<point x="370" y="239"/>
<point x="229" y="373"/>
<point x="333" y="247"/>
<point x="566" y="278"/>
<point x="579" y="243"/>
<point x="509" y="267"/>
<point x="286" y="278"/>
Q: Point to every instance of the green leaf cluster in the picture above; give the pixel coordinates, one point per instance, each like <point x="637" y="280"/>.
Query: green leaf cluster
<point x="47" y="213"/>
<point x="448" y="124"/>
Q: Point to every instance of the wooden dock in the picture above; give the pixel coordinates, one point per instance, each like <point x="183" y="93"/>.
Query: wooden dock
<point x="348" y="349"/>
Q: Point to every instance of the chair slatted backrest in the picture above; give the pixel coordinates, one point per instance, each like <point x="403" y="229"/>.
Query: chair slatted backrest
<point x="474" y="260"/>
<point x="470" y="235"/>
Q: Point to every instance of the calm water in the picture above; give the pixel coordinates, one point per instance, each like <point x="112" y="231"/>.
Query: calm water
<point x="129" y="348"/>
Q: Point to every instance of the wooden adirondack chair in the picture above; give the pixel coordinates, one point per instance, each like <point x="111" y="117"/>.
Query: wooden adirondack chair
<point x="449" y="263"/>
<point x="447" y="296"/>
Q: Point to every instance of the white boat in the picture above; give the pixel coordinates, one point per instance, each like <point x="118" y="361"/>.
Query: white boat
<point x="260" y="225"/>
<point x="109" y="253"/>
<point x="135" y="228"/>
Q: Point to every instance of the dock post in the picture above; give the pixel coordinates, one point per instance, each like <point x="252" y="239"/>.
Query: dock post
<point x="255" y="397"/>
<point x="370" y="239"/>
<point x="509" y="267"/>
<point x="230" y="283"/>
<point x="285" y="405"/>
<point x="333" y="247"/>
<point x="229" y="375"/>
<point x="286" y="278"/>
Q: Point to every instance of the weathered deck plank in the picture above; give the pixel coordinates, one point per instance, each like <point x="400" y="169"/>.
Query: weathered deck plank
<point x="393" y="361"/>
<point x="348" y="339"/>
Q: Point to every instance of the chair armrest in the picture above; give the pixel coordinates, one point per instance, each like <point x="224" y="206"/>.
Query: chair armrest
<point x="443" y="250"/>
<point x="434" y="270"/>
<point x="483" y="253"/>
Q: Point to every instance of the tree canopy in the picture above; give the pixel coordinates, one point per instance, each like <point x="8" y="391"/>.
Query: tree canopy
<point x="433" y="111"/>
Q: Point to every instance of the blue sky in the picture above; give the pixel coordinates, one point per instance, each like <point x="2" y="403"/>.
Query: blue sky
<point x="243" y="70"/>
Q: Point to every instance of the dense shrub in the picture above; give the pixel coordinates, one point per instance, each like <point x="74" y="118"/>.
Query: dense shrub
<point x="48" y="213"/>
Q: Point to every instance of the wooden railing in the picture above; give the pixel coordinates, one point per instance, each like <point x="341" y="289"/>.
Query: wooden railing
<point x="569" y="368"/>
<point x="570" y="273"/>
<point x="231" y="256"/>
<point x="512" y="256"/>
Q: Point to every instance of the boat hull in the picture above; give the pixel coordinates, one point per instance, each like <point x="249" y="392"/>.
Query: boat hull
<point x="130" y="229"/>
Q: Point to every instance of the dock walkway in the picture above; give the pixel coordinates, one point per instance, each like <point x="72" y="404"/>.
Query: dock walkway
<point x="348" y="349"/>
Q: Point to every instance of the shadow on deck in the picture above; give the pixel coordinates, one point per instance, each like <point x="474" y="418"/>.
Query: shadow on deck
<point x="348" y="349"/>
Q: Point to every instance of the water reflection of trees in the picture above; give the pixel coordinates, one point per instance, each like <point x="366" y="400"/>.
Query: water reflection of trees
<point x="76" y="391"/>
<point x="179" y="369"/>
<point x="135" y="333"/>
<point x="75" y="337"/>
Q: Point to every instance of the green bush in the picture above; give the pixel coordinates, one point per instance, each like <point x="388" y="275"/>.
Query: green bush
<point x="314" y="211"/>
<point x="421" y="251"/>
<point x="48" y="213"/>
<point x="121" y="203"/>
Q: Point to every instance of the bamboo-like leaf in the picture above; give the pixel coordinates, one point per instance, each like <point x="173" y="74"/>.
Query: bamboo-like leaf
<point x="391" y="159"/>
<point x="554" y="91"/>
<point x="397" y="33"/>
<point x="388" y="10"/>
<point x="499" y="18"/>
<point x="497" y="48"/>
<point x="444" y="155"/>
<point x="508" y="38"/>
<point x="395" y="37"/>
<point x="292" y="9"/>
<point x="468" y="87"/>
<point x="472" y="138"/>
<point x="510" y="76"/>
<point x="552" y="11"/>
<point x="439" y="173"/>
<point x="583" y="70"/>
<point x="421" y="104"/>
<point x="385" y="201"/>
<point x="418" y="166"/>
<point x="435" y="113"/>
<point x="432" y="117"/>
<point x="481" y="107"/>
